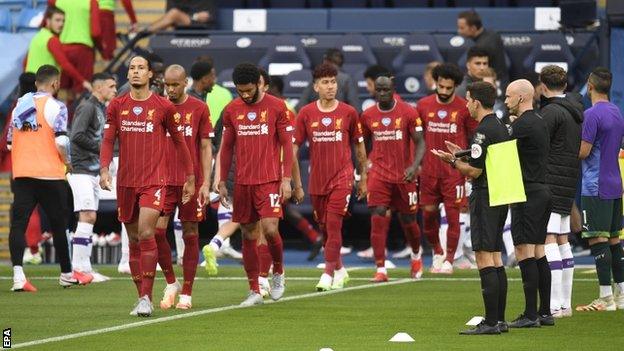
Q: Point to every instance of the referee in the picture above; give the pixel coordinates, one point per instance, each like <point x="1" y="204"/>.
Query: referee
<point x="487" y="221"/>
<point x="529" y="219"/>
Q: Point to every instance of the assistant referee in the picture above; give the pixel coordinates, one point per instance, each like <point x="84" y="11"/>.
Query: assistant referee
<point x="487" y="222"/>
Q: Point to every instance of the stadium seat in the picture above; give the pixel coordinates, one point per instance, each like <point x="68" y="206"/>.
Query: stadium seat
<point x="548" y="48"/>
<point x="410" y="3"/>
<point x="419" y="50"/>
<point x="408" y="82"/>
<point x="232" y="4"/>
<point x="357" y="53"/>
<point x="225" y="79"/>
<point x="30" y="19"/>
<point x="285" y="54"/>
<point x="5" y="21"/>
<point x="348" y="3"/>
<point x="386" y="47"/>
<point x="290" y="4"/>
<point x="534" y="3"/>
<point x="296" y="81"/>
<point x="451" y="46"/>
<point x="315" y="45"/>
<point x="472" y="3"/>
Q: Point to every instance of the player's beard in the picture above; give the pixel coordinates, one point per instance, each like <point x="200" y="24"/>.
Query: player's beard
<point x="254" y="98"/>
<point x="444" y="97"/>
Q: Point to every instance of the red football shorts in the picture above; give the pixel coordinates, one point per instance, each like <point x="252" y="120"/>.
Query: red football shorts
<point x="401" y="197"/>
<point x="83" y="58"/>
<point x="449" y="191"/>
<point x="189" y="212"/>
<point x="336" y="201"/>
<point x="131" y="199"/>
<point x="253" y="202"/>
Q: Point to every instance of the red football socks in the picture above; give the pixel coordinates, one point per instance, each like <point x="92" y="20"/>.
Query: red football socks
<point x="164" y="255"/>
<point x="250" y="263"/>
<point x="333" y="243"/>
<point x="265" y="260"/>
<point x="412" y="234"/>
<point x="276" y="247"/>
<point x="134" y="261"/>
<point x="452" y="233"/>
<point x="189" y="264"/>
<point x="431" y="221"/>
<point x="379" y="232"/>
<point x="149" y="258"/>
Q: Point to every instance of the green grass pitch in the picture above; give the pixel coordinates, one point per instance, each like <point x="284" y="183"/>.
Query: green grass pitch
<point x="362" y="317"/>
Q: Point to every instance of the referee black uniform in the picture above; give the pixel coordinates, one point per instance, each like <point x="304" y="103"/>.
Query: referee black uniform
<point x="529" y="219"/>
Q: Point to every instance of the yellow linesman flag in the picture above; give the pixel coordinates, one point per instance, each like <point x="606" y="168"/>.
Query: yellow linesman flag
<point x="504" y="175"/>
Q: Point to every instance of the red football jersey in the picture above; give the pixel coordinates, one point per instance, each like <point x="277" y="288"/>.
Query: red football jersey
<point x="330" y="135"/>
<point x="391" y="134"/>
<point x="194" y="123"/>
<point x="141" y="127"/>
<point x="257" y="132"/>
<point x="443" y="122"/>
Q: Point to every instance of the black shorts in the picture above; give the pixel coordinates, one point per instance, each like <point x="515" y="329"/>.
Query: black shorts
<point x="529" y="219"/>
<point x="601" y="218"/>
<point x="486" y="222"/>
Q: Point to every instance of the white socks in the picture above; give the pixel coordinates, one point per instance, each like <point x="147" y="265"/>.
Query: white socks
<point x="82" y="246"/>
<point x="554" y="260"/>
<point x="605" y="290"/>
<point x="125" y="246"/>
<point x="216" y="242"/>
<point x="567" y="276"/>
<point x="18" y="274"/>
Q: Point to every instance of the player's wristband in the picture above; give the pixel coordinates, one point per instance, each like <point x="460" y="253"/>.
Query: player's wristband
<point x="453" y="162"/>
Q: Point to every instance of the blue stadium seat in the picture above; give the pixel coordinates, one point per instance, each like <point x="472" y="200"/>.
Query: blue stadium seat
<point x="5" y="21"/>
<point x="30" y="19"/>
<point x="451" y="46"/>
<point x="472" y="3"/>
<point x="357" y="53"/>
<point x="348" y="3"/>
<point x="386" y="47"/>
<point x="410" y="3"/>
<point x="548" y="48"/>
<point x="410" y="83"/>
<point x="534" y="3"/>
<point x="296" y="81"/>
<point x="290" y="4"/>
<point x="232" y="4"/>
<point x="224" y="78"/>
<point x="285" y="49"/>
<point x="316" y="44"/>
<point x="419" y="50"/>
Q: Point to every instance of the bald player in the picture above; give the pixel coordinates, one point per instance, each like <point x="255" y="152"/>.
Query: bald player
<point x="193" y="120"/>
<point x="529" y="219"/>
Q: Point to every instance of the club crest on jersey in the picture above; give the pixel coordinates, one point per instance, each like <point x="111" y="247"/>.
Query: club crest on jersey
<point x="386" y="121"/>
<point x="326" y="121"/>
<point x="188" y="117"/>
<point x="453" y="116"/>
<point x="339" y="123"/>
<point x="251" y="116"/>
<point x="137" y="110"/>
<point x="397" y="123"/>
<point x="150" y="115"/>
<point x="263" y="116"/>
<point x="442" y="114"/>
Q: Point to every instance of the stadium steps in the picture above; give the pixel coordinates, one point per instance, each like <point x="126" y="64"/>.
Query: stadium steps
<point x="6" y="198"/>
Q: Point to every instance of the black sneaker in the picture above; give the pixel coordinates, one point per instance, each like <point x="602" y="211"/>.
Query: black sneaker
<point x="482" y="329"/>
<point x="547" y="320"/>
<point x="316" y="249"/>
<point x="503" y="326"/>
<point x="524" y="322"/>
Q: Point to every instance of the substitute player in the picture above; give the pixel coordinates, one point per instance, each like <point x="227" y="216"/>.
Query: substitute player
<point x="393" y="125"/>
<point x="445" y="118"/>
<point x="487" y="221"/>
<point x="257" y="126"/>
<point x="141" y="120"/>
<point x="193" y="118"/>
<point x="330" y="127"/>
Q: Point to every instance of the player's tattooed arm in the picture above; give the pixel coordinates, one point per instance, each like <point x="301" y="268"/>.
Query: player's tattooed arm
<point x="360" y="154"/>
<point x="298" y="193"/>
